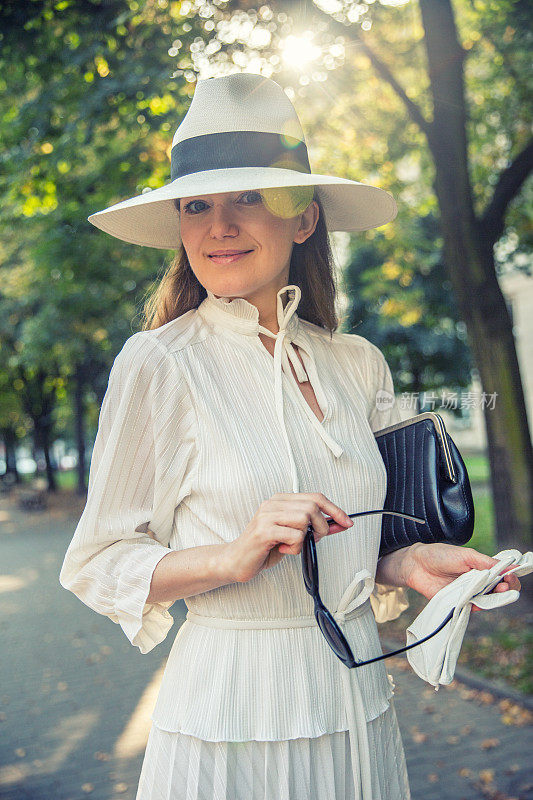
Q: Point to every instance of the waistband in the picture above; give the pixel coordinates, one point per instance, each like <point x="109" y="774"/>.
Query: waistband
<point x="275" y="622"/>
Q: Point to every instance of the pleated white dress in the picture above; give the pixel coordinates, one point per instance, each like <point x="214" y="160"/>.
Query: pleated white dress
<point x="199" y="425"/>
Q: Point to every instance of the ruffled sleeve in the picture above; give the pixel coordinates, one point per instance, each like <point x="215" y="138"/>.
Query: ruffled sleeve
<point x="387" y="602"/>
<point x="140" y="471"/>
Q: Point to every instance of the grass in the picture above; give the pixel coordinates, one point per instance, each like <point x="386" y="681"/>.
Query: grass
<point x="483" y="537"/>
<point x="67" y="480"/>
<point x="477" y="467"/>
<point x="505" y="654"/>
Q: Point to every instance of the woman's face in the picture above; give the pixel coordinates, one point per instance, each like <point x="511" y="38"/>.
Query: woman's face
<point x="260" y="223"/>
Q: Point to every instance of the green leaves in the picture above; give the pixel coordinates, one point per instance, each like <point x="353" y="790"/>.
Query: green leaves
<point x="88" y="114"/>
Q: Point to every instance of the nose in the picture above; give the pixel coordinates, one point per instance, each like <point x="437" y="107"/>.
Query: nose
<point x="222" y="222"/>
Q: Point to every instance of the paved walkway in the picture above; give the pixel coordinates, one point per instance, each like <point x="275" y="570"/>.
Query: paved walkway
<point x="76" y="698"/>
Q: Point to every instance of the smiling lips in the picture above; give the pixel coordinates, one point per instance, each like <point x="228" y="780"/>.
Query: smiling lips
<point x="227" y="256"/>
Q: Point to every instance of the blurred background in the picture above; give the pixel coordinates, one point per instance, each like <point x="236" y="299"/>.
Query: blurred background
<point x="429" y="99"/>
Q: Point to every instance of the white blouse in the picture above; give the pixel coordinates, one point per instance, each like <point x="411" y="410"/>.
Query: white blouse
<point x="199" y="425"/>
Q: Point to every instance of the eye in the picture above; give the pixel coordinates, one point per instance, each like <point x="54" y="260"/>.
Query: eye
<point x="188" y="207"/>
<point x="255" y="195"/>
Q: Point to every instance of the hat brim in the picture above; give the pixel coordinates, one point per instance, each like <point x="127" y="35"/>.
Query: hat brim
<point x="152" y="220"/>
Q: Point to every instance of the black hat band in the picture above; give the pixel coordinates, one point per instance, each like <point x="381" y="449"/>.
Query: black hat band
<point x="234" y="149"/>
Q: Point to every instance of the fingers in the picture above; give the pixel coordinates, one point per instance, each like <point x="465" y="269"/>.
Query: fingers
<point x="319" y="506"/>
<point x="293" y="541"/>
<point x="511" y="580"/>
<point x="286" y="517"/>
<point x="340" y="516"/>
<point x="479" y="560"/>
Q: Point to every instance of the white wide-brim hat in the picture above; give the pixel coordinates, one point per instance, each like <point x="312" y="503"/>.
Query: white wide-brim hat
<point x="241" y="132"/>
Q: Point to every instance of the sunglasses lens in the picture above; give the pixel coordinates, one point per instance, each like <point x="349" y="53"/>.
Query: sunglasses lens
<point x="308" y="569"/>
<point x="337" y="644"/>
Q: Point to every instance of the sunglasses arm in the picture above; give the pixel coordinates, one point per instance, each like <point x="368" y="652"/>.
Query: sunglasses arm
<point x="330" y="520"/>
<point x="441" y="626"/>
<point x="407" y="647"/>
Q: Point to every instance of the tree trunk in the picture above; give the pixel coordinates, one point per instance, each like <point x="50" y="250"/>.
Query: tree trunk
<point x="38" y="402"/>
<point x="10" y="444"/>
<point x="79" y="422"/>
<point x="489" y="326"/>
<point x="50" y="470"/>
<point x="42" y="440"/>
<point x="470" y="264"/>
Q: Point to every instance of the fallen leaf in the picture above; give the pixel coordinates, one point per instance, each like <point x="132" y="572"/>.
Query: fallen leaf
<point x="87" y="788"/>
<point x="486" y="776"/>
<point x="433" y="778"/>
<point x="417" y="735"/>
<point x="515" y="714"/>
<point x="512" y="769"/>
<point x="488" y="744"/>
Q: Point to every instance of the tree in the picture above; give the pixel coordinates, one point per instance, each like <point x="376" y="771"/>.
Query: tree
<point x="476" y="191"/>
<point x="400" y="300"/>
<point x="91" y="104"/>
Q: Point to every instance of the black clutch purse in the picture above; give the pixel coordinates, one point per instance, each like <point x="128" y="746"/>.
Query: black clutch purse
<point x="428" y="499"/>
<point x="427" y="479"/>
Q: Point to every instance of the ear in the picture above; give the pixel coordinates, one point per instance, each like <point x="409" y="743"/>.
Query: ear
<point x="308" y="221"/>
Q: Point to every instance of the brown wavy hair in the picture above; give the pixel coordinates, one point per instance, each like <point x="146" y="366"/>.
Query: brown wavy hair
<point x="311" y="268"/>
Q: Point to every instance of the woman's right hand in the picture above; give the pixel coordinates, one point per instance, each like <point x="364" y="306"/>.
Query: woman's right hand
<point x="278" y="528"/>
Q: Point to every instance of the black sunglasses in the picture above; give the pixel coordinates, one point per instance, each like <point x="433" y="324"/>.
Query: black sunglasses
<point x="326" y="622"/>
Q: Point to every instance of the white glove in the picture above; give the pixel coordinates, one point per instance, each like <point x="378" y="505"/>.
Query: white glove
<point x="435" y="660"/>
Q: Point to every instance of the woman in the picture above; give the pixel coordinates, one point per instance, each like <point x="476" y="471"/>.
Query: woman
<point x="229" y="424"/>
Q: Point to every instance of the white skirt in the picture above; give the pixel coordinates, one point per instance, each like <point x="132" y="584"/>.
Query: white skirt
<point x="181" y="767"/>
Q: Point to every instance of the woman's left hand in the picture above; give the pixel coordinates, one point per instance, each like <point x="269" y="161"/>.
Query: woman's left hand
<point x="430" y="567"/>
